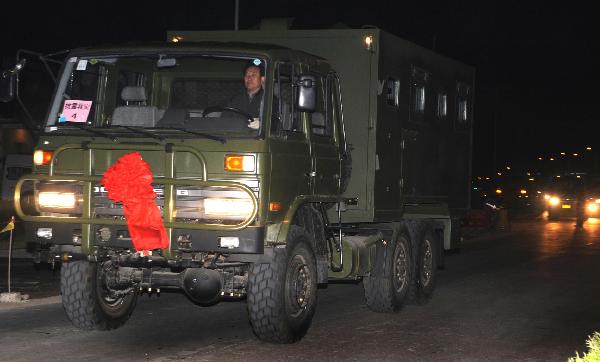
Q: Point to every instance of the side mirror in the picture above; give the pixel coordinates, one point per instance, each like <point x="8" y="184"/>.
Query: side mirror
<point x="8" y="82"/>
<point x="307" y="93"/>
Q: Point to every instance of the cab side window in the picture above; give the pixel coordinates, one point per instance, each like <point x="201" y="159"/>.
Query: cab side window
<point x="285" y="116"/>
<point x="320" y="119"/>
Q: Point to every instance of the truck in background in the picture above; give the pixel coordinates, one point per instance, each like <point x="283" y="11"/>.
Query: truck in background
<point x="359" y="170"/>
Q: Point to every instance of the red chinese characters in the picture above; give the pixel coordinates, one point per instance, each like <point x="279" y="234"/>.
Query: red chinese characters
<point x="129" y="181"/>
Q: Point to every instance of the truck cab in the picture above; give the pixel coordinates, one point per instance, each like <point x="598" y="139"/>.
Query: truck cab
<point x="228" y="184"/>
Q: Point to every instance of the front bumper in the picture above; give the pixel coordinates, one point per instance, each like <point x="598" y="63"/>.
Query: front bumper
<point x="251" y="239"/>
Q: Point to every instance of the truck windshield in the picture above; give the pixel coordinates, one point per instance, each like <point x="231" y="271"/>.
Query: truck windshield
<point x="199" y="93"/>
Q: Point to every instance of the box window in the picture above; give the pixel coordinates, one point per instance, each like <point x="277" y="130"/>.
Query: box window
<point x="463" y="106"/>
<point x="462" y="111"/>
<point x="419" y="98"/>
<point x="393" y="92"/>
<point x="442" y="106"/>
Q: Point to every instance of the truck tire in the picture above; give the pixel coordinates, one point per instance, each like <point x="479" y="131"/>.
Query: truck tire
<point x="426" y="250"/>
<point x="387" y="287"/>
<point x="282" y="295"/>
<point x="86" y="301"/>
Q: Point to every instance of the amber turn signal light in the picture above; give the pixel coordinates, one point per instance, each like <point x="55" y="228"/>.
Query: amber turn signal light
<point x="42" y="157"/>
<point x="239" y="163"/>
<point x="274" y="206"/>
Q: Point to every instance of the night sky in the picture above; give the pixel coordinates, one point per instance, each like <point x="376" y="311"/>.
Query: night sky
<point x="536" y="62"/>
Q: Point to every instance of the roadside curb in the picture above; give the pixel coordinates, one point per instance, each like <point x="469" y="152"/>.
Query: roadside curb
<point x="31" y="303"/>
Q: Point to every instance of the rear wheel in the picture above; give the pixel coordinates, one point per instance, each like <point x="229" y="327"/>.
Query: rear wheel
<point x="387" y="286"/>
<point x="282" y="295"/>
<point x="88" y="301"/>
<point x="426" y="251"/>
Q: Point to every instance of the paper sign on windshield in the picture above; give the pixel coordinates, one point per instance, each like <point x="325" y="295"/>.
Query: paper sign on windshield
<point x="75" y="111"/>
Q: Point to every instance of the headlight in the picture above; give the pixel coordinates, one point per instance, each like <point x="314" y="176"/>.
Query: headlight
<point x="214" y="204"/>
<point x="554" y="201"/>
<point x="228" y="208"/>
<point x="60" y="200"/>
<point x="592" y="207"/>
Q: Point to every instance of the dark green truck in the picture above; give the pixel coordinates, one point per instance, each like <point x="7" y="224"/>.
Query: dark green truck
<point x="359" y="170"/>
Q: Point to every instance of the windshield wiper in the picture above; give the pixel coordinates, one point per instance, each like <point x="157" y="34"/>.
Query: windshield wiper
<point x="91" y="131"/>
<point x="205" y="135"/>
<point x="142" y="132"/>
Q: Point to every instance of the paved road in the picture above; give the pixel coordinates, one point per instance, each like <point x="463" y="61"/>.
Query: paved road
<point x="530" y="293"/>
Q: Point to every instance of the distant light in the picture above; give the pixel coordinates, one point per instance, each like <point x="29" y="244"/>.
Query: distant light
<point x="575" y="154"/>
<point x="508" y="167"/>
<point x="531" y="179"/>
<point x="176" y="39"/>
<point x="539" y="192"/>
<point x="551" y="159"/>
<point x="557" y="176"/>
<point x="498" y="191"/>
<point x="487" y="178"/>
<point x="578" y="176"/>
<point x="540" y="158"/>
<point x="523" y="191"/>
<point x="528" y="173"/>
<point x="499" y="173"/>
<point x="588" y="148"/>
<point x="562" y="153"/>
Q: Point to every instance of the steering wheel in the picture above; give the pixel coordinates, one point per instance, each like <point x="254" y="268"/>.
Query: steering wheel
<point x="212" y="109"/>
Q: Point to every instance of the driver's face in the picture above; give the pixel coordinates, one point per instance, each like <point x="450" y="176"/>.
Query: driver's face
<point x="252" y="80"/>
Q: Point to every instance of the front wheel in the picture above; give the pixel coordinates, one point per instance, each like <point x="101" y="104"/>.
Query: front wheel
<point x="282" y="295"/>
<point x="88" y="301"/>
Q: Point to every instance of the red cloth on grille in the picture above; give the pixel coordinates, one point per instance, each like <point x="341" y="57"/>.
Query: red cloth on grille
<point x="129" y="180"/>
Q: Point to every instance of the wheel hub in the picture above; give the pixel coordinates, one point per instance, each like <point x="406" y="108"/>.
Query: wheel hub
<point x="299" y="292"/>
<point x="427" y="263"/>
<point x="400" y="268"/>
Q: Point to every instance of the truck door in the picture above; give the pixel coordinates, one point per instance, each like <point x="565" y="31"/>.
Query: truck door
<point x="289" y="147"/>
<point x="324" y="149"/>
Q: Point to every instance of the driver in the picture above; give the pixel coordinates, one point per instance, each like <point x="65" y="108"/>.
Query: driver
<point x="250" y="100"/>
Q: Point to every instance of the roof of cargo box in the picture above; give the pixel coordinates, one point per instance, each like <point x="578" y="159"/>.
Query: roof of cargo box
<point x="331" y="38"/>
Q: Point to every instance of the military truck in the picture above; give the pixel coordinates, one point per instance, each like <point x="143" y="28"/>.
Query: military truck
<point x="358" y="171"/>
